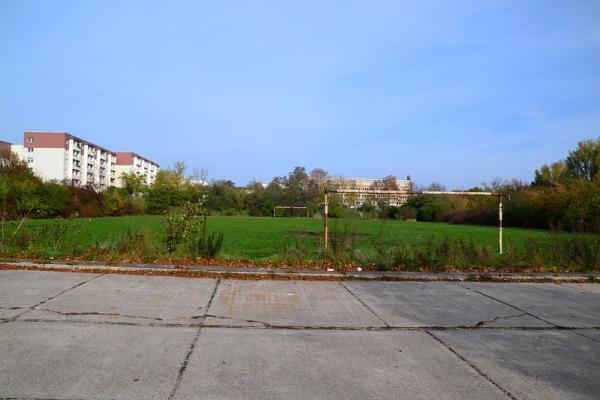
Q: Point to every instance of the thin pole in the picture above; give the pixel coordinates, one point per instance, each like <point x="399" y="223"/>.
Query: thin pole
<point x="500" y="226"/>
<point x="325" y="216"/>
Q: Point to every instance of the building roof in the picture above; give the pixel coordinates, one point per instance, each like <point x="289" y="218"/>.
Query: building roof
<point x="126" y="158"/>
<point x="65" y="136"/>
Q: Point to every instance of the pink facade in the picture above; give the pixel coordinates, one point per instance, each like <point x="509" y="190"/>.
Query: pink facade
<point x="4" y="147"/>
<point x="53" y="140"/>
<point x="124" y="158"/>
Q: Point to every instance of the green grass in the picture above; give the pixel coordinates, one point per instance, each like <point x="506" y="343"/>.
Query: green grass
<point x="264" y="239"/>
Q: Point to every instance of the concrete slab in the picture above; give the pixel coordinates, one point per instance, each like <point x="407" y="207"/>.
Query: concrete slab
<point x="584" y="287"/>
<point x="283" y="364"/>
<point x="591" y="334"/>
<point x="124" y="296"/>
<point x="75" y="361"/>
<point x="297" y="303"/>
<point x="28" y="288"/>
<point x="441" y="304"/>
<point x="11" y="313"/>
<point x="554" y="303"/>
<point x="532" y="364"/>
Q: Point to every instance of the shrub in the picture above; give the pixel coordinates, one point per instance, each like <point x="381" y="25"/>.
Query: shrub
<point x="342" y="245"/>
<point x="136" y="243"/>
<point x="188" y="228"/>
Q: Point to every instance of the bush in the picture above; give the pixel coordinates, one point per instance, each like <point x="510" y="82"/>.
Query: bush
<point x="188" y="228"/>
<point x="342" y="245"/>
<point x="136" y="243"/>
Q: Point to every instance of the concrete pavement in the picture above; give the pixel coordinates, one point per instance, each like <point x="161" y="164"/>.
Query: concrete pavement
<point x="101" y="336"/>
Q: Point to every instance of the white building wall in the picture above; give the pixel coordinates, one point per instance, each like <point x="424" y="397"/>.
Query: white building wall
<point x="112" y="173"/>
<point x="119" y="170"/>
<point x="47" y="163"/>
<point x="18" y="150"/>
<point x="75" y="162"/>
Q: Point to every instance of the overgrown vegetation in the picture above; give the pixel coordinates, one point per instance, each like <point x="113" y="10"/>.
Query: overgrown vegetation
<point x="50" y="219"/>
<point x="187" y="228"/>
<point x="563" y="195"/>
<point x="381" y="245"/>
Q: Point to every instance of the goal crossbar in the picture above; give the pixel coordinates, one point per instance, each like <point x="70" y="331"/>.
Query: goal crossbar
<point x="289" y="208"/>
<point x="500" y="197"/>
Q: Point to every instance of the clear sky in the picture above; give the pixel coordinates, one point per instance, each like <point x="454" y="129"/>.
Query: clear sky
<point x="448" y="91"/>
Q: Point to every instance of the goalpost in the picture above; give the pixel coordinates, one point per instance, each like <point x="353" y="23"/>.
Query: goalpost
<point x="300" y="211"/>
<point x="425" y="192"/>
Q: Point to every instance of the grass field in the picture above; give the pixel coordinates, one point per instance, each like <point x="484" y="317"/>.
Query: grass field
<point x="263" y="239"/>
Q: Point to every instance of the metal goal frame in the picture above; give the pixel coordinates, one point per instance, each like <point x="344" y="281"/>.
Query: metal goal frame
<point x="290" y="208"/>
<point x="500" y="197"/>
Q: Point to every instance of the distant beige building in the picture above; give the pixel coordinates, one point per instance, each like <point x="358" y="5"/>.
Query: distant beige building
<point x="368" y="188"/>
<point x="128" y="162"/>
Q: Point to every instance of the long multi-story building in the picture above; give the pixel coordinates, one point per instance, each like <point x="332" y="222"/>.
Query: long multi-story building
<point x="67" y="158"/>
<point x="128" y="162"/>
<point x="368" y="190"/>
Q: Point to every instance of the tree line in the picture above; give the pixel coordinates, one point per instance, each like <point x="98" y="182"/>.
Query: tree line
<point x="563" y="195"/>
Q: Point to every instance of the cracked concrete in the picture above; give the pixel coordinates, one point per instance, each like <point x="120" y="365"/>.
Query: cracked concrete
<point x="86" y="336"/>
<point x="441" y="304"/>
<point x="555" y="304"/>
<point x="297" y="303"/>
<point x="532" y="365"/>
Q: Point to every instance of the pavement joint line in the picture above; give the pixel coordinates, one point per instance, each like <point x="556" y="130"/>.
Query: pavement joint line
<point x="473" y="366"/>
<point x="249" y="321"/>
<point x="364" y="304"/>
<point x="481" y="323"/>
<point x="186" y="359"/>
<point x="515" y="307"/>
<point x="587" y="337"/>
<point x="313" y="327"/>
<point x="184" y="364"/>
<point x="65" y="313"/>
<point x="66" y="290"/>
<point x="47" y="300"/>
<point x="212" y="297"/>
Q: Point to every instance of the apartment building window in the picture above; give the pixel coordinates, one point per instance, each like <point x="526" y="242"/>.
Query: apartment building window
<point x="29" y="140"/>
<point x="29" y="160"/>
<point x="30" y="149"/>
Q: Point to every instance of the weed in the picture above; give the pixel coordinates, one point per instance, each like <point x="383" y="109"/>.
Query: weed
<point x="136" y="243"/>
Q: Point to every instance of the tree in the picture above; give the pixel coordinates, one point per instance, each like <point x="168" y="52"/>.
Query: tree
<point x="584" y="161"/>
<point x="389" y="183"/>
<point x="297" y="183"/>
<point x="549" y="175"/>
<point x="133" y="183"/>
<point x="436" y="187"/>
<point x="318" y="176"/>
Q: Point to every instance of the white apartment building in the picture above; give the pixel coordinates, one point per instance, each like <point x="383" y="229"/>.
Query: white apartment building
<point x="63" y="157"/>
<point x="128" y="162"/>
<point x="368" y="188"/>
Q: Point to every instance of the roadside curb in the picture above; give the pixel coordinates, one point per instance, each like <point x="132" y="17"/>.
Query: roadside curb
<point x="256" y="273"/>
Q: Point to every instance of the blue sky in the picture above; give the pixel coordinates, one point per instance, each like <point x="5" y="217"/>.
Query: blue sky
<point x="454" y="92"/>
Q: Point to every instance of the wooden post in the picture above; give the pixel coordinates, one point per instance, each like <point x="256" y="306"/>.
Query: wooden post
<point x="500" y="225"/>
<point x="325" y="216"/>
